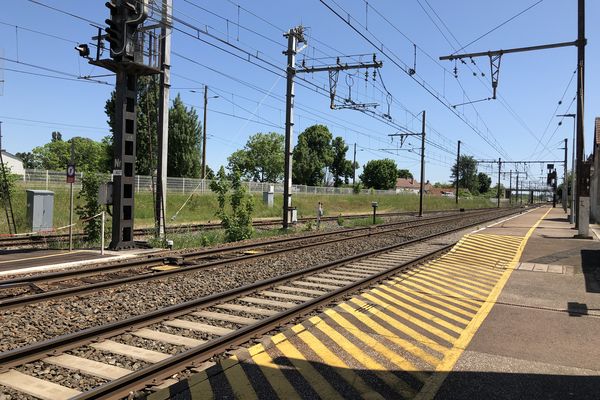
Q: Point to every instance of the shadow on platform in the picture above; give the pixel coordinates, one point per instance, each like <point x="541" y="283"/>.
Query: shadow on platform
<point x="327" y="381"/>
<point x="590" y="266"/>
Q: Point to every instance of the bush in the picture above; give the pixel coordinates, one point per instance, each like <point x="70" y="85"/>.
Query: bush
<point x="238" y="221"/>
<point x="340" y="220"/>
<point x="88" y="194"/>
<point x="356" y="189"/>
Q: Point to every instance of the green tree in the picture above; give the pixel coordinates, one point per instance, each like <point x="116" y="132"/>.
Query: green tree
<point x="184" y="141"/>
<point x="467" y="174"/>
<point x="28" y="159"/>
<point x="312" y="155"/>
<point x="89" y="155"/>
<point x="89" y="206"/>
<point x="11" y="182"/>
<point x="261" y="159"/>
<point x="340" y="168"/>
<point x="380" y="174"/>
<point x="484" y="182"/>
<point x="404" y="173"/>
<point x="237" y="222"/>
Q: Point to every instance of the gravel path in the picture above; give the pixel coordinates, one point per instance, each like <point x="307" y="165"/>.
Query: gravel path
<point x="50" y="319"/>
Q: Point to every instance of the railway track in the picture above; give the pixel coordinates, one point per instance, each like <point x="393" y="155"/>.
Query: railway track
<point x="49" y="239"/>
<point x="194" y="331"/>
<point x="21" y="291"/>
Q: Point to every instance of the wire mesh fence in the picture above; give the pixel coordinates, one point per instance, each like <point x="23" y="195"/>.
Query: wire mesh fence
<point x="45" y="179"/>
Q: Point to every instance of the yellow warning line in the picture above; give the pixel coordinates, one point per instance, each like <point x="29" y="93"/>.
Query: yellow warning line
<point x="443" y="369"/>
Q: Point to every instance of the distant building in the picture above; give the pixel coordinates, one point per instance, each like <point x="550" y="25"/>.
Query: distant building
<point x="410" y="185"/>
<point x="14" y="163"/>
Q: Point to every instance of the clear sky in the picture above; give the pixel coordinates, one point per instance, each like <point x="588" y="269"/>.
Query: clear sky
<point x="520" y="125"/>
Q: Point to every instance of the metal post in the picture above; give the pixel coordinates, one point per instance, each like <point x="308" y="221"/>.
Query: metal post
<point x="565" y="184"/>
<point x="102" y="233"/>
<point x="294" y="36"/>
<point x="581" y="42"/>
<point x="71" y="200"/>
<point x="517" y="189"/>
<point x="510" y="187"/>
<point x="422" y="165"/>
<point x="457" y="170"/>
<point x="203" y="173"/>
<point x="354" y="167"/>
<point x="499" y="169"/>
<point x="163" y="117"/>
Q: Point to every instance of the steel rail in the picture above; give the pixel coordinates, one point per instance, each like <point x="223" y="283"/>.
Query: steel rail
<point x="63" y="343"/>
<point x="80" y="290"/>
<point x="103" y="267"/>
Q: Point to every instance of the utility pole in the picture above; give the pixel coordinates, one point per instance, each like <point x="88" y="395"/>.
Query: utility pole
<point x="422" y="165"/>
<point x="203" y="173"/>
<point x="457" y="170"/>
<point x="72" y="162"/>
<point x="517" y="191"/>
<point x="582" y="199"/>
<point x="572" y="213"/>
<point x="163" y="117"/>
<point x="510" y="187"/>
<point x="354" y="167"/>
<point x="565" y="184"/>
<point x="296" y="36"/>
<point x="499" y="170"/>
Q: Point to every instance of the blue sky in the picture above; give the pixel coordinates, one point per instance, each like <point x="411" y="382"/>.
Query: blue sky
<point x="520" y="125"/>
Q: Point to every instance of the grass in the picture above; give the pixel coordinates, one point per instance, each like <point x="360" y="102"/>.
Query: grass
<point x="353" y="223"/>
<point x="202" y="207"/>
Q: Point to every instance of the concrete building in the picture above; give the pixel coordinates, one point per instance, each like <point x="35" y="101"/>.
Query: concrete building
<point x="14" y="163"/>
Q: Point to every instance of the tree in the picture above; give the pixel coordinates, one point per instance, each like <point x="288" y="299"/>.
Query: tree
<point x="340" y="168"/>
<point x="238" y="222"/>
<point x="184" y="141"/>
<point x="380" y="174"/>
<point x="89" y="206"/>
<point x="312" y="155"/>
<point x="484" y="182"/>
<point x="404" y="173"/>
<point x="89" y="155"/>
<point x="467" y="173"/>
<point x="261" y="159"/>
<point x="28" y="159"/>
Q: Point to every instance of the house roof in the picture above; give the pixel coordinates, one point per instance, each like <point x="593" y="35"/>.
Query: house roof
<point x="404" y="183"/>
<point x="6" y="153"/>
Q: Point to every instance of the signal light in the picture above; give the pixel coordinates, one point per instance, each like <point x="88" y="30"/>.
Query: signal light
<point x="83" y="49"/>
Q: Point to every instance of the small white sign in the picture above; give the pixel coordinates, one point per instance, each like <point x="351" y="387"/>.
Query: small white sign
<point x="117" y="172"/>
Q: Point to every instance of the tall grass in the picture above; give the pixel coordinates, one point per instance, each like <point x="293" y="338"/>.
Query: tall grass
<point x="202" y="207"/>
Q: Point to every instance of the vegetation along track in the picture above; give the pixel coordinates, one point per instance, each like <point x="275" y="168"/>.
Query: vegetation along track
<point x="41" y="239"/>
<point x="204" y="327"/>
<point x="25" y="290"/>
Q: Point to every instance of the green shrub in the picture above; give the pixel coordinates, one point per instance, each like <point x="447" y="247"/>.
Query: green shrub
<point x="89" y="206"/>
<point x="237" y="221"/>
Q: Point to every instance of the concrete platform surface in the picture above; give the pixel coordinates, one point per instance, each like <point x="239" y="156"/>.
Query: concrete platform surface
<point x="35" y="260"/>
<point x="540" y="340"/>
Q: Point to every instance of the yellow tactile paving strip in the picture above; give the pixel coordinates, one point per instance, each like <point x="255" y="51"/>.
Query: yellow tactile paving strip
<point x="396" y="340"/>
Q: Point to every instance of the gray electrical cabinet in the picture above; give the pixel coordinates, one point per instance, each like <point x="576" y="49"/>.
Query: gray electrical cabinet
<point x="40" y="207"/>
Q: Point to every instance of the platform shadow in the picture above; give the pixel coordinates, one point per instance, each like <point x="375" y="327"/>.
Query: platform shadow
<point x="303" y="379"/>
<point x="590" y="266"/>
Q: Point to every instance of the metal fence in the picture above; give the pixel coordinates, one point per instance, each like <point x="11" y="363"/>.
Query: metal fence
<point x="44" y="179"/>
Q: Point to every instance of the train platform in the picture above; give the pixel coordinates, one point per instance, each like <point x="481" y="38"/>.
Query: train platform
<point x="512" y="311"/>
<point x="20" y="261"/>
